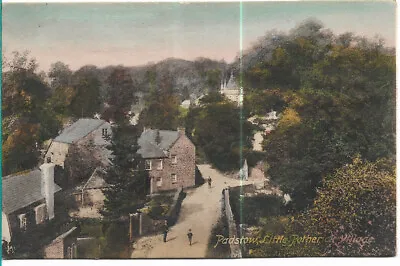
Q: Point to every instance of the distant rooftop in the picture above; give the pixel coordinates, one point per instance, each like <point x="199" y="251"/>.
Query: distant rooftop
<point x="79" y="130"/>
<point x="23" y="189"/>
<point x="149" y="148"/>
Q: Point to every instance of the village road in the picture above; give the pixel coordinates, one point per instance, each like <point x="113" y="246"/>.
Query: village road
<point x="200" y="211"/>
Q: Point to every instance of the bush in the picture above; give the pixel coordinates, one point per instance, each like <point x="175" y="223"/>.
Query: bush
<point x="249" y="210"/>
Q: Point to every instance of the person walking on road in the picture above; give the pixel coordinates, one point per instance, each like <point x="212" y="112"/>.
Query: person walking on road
<point x="165" y="232"/>
<point x="190" y="236"/>
<point x="209" y="182"/>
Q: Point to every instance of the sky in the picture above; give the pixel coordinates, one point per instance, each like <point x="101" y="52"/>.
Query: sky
<point x="138" y="33"/>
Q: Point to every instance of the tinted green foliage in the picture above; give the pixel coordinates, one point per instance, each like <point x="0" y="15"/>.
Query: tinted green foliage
<point x="338" y="97"/>
<point x="215" y="128"/>
<point x="126" y="175"/>
<point x="354" y="213"/>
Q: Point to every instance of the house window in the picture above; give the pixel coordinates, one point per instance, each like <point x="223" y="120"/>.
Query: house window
<point x="174" y="159"/>
<point x="159" y="181"/>
<point x="147" y="165"/>
<point x="22" y="221"/>
<point x="173" y="178"/>
<point x="40" y="213"/>
<point x="160" y="164"/>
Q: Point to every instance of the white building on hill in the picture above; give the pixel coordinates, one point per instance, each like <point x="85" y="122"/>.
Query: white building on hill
<point x="231" y="91"/>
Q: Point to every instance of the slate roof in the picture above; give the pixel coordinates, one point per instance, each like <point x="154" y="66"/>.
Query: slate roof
<point x="148" y="146"/>
<point x="78" y="130"/>
<point x="22" y="190"/>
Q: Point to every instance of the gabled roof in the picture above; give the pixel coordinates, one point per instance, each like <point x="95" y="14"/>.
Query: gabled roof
<point x="149" y="148"/>
<point x="78" y="130"/>
<point x="96" y="180"/>
<point x="22" y="190"/>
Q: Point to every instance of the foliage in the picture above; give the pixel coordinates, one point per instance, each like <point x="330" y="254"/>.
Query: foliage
<point x="87" y="92"/>
<point x="116" y="241"/>
<point x="337" y="96"/>
<point x="126" y="175"/>
<point x="80" y="163"/>
<point x="27" y="120"/>
<point x="249" y="210"/>
<point x="120" y="94"/>
<point x="162" y="107"/>
<point x="354" y="213"/>
<point x="215" y="128"/>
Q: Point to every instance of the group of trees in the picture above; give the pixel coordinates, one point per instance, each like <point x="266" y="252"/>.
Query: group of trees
<point x="36" y="105"/>
<point x="219" y="131"/>
<point x="336" y="94"/>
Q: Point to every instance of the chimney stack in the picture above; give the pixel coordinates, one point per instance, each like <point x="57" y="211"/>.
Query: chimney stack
<point x="47" y="187"/>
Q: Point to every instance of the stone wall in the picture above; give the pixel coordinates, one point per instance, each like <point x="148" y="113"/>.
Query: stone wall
<point x="54" y="250"/>
<point x="184" y="168"/>
<point x="235" y="248"/>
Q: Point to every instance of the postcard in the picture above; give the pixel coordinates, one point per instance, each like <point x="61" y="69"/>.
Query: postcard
<point x="198" y="130"/>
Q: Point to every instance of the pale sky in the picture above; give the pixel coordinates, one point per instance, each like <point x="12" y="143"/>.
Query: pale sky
<point x="137" y="33"/>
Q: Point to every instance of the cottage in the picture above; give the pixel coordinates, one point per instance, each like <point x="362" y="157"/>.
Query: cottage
<point x="81" y="132"/>
<point x="169" y="156"/>
<point x="28" y="202"/>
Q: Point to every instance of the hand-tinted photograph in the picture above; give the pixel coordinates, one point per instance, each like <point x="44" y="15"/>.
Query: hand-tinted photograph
<point x="198" y="130"/>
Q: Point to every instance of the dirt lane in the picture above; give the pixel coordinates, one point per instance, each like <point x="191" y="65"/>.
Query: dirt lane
<point x="200" y="211"/>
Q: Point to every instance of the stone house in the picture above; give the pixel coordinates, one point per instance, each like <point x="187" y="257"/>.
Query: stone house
<point x="64" y="246"/>
<point x="169" y="156"/>
<point x="82" y="132"/>
<point x="28" y="202"/>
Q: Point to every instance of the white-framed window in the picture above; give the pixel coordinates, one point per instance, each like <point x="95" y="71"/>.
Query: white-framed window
<point x="22" y="221"/>
<point x="174" y="159"/>
<point x="147" y="164"/>
<point x="40" y="213"/>
<point x="160" y="164"/>
<point x="159" y="181"/>
<point x="174" y="178"/>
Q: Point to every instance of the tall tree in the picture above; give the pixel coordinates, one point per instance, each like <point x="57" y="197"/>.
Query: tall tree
<point x="126" y="175"/>
<point x="216" y="131"/>
<point x="120" y="93"/>
<point x="27" y="120"/>
<point x="87" y="92"/>
<point x="162" y="107"/>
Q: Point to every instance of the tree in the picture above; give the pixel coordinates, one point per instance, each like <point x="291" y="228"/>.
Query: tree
<point x="120" y="93"/>
<point x="217" y="132"/>
<point x="76" y="169"/>
<point x="20" y="151"/>
<point x="353" y="214"/>
<point x="337" y="98"/>
<point x="86" y="85"/>
<point x="60" y="76"/>
<point x="27" y="119"/>
<point x="126" y="175"/>
<point x="162" y="107"/>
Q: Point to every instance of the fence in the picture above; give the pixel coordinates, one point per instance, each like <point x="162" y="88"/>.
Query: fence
<point x="235" y="248"/>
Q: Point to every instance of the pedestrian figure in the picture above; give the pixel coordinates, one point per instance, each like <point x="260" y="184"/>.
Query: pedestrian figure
<point x="165" y="231"/>
<point x="190" y="236"/>
<point x="209" y="182"/>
